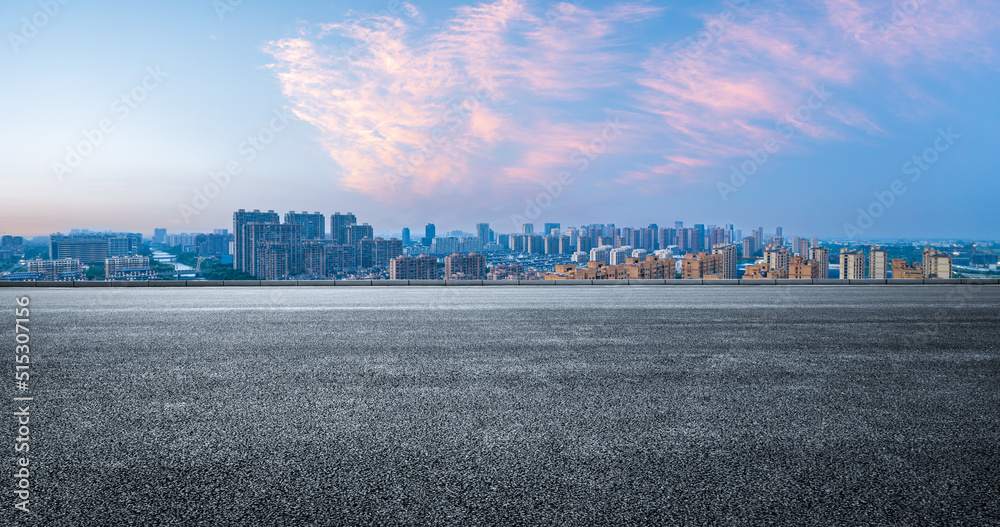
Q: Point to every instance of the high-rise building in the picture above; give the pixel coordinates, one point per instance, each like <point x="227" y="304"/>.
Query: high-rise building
<point x="551" y="244"/>
<point x="125" y="245"/>
<point x="565" y="246"/>
<point x="356" y="233"/>
<point x="534" y="244"/>
<point x="340" y="257"/>
<point x="89" y="249"/>
<point x="242" y="247"/>
<point x="470" y="266"/>
<point x="517" y="243"/>
<point x="730" y="260"/>
<point x="339" y="224"/>
<point x="483" y="231"/>
<point x="814" y="242"/>
<point x="747" y="247"/>
<point x="528" y="228"/>
<point x="386" y="250"/>
<point x="313" y="225"/>
<point x="936" y="264"/>
<point x="276" y="250"/>
<point x="215" y="244"/>
<point x="423" y="267"/>
<point x="159" y="235"/>
<point x="314" y="258"/>
<point x="697" y="243"/>
<point x="777" y="257"/>
<point x="878" y="263"/>
<point x="406" y="235"/>
<point x="552" y="229"/>
<point x="852" y="264"/>
<point x="429" y="235"/>
<point x="821" y="256"/>
<point x="802" y="247"/>
<point x="601" y="254"/>
<point x="618" y="255"/>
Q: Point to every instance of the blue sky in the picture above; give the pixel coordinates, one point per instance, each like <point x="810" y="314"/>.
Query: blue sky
<point x="455" y="113"/>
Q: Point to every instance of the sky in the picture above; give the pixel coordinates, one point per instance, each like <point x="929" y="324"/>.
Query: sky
<point x="836" y="118"/>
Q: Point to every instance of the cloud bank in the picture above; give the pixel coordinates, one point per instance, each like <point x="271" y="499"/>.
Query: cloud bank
<point x="501" y="95"/>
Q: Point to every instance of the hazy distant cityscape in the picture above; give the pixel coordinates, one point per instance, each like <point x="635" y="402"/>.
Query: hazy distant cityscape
<point x="310" y="246"/>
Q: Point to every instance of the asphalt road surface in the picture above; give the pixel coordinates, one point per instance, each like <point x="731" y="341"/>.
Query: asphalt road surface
<point x="826" y="405"/>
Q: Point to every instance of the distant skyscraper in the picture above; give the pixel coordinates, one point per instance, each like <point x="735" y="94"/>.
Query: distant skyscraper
<point x="406" y="235"/>
<point x="852" y="264"/>
<point x="470" y="266"/>
<point x="878" y="263"/>
<point x="528" y="228"/>
<point x="242" y="248"/>
<point x="356" y="233"/>
<point x="483" y="231"/>
<point x="748" y="249"/>
<point x="549" y="227"/>
<point x="697" y="238"/>
<point x="89" y="249"/>
<point x="339" y="223"/>
<point x="159" y="235"/>
<point x="821" y="255"/>
<point x="729" y="261"/>
<point x="276" y="250"/>
<point x="429" y="234"/>
<point x="313" y="225"/>
<point x="423" y="267"/>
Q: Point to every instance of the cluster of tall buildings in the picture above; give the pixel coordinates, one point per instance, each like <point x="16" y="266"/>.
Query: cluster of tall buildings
<point x="269" y="249"/>
<point x="11" y="247"/>
<point x="216" y="244"/>
<point x="854" y="264"/>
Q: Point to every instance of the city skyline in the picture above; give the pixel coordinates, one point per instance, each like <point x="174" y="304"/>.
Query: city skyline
<point x="748" y="112"/>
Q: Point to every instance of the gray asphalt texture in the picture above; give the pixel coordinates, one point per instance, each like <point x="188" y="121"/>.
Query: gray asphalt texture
<point x="784" y="405"/>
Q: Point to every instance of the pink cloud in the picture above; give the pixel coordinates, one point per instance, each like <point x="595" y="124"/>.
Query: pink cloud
<point x="405" y="111"/>
<point x="729" y="94"/>
<point x="479" y="102"/>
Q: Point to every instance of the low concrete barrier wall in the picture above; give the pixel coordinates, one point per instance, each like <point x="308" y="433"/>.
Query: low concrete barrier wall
<point x="453" y="283"/>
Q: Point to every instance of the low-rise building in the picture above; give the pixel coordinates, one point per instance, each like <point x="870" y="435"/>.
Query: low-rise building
<point x="60" y="269"/>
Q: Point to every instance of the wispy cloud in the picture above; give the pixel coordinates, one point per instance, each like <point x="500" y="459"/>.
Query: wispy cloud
<point x="502" y="93"/>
